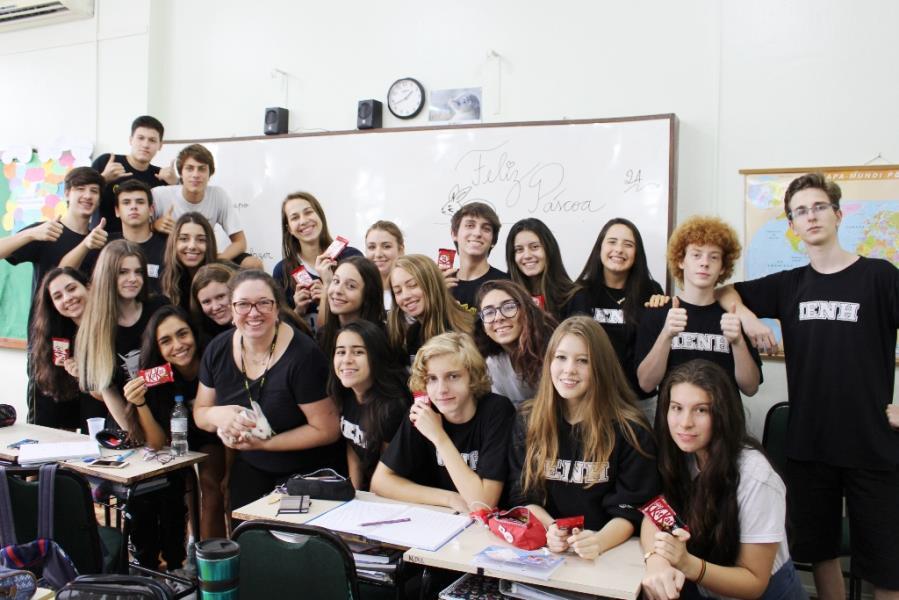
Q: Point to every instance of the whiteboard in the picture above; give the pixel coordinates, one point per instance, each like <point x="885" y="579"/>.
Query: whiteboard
<point x="573" y="175"/>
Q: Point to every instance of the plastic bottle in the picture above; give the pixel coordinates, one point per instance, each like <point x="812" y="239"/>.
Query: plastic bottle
<point x="179" y="427"/>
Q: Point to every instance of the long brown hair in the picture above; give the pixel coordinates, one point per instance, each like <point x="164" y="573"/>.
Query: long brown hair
<point x="290" y="246"/>
<point x="609" y="404"/>
<point x="441" y="311"/>
<point x="174" y="271"/>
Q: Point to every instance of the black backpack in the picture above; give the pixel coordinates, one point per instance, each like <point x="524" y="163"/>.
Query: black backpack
<point x="42" y="556"/>
<point x="114" y="587"/>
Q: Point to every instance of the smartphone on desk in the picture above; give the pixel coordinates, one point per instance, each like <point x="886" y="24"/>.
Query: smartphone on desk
<point x="110" y="464"/>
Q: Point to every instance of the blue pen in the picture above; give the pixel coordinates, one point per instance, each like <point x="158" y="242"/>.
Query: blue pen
<point x="122" y="457"/>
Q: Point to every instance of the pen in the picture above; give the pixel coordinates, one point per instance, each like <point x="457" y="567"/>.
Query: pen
<point x="122" y="457"/>
<point x="390" y="522"/>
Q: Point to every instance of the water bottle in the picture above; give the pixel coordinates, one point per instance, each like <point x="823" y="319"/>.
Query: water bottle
<point x="179" y="427"/>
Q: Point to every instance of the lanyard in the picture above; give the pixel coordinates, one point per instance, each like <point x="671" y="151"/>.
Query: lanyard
<point x="243" y="370"/>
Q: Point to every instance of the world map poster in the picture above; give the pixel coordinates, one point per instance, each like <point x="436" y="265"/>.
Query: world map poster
<point x="870" y="226"/>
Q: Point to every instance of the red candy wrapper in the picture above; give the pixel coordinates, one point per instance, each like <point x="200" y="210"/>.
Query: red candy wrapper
<point x="336" y="247"/>
<point x="301" y="276"/>
<point x="569" y="523"/>
<point x="445" y="258"/>
<point x="420" y="397"/>
<point x="540" y="301"/>
<point x="660" y="512"/>
<point x="157" y="375"/>
<point x="60" y="350"/>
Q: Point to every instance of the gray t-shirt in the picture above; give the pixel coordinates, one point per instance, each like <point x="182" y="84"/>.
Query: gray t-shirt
<point x="215" y="206"/>
<point x="505" y="381"/>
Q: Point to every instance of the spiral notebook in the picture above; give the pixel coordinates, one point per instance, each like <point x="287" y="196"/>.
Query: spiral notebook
<point x="47" y="452"/>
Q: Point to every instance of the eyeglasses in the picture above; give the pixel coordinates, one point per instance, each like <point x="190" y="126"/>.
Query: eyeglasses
<point x="817" y="209"/>
<point x="162" y="457"/>
<point x="263" y="307"/>
<point x="509" y="309"/>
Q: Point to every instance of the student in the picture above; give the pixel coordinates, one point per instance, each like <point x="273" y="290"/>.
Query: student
<point x="268" y="361"/>
<point x="383" y="244"/>
<point x="581" y="447"/>
<point x="190" y="246"/>
<point x="170" y="338"/>
<point x="304" y="238"/>
<point x="108" y="348"/>
<point x="535" y="262"/>
<point x="719" y="482"/>
<point x="425" y="306"/>
<point x="353" y="293"/>
<point x="452" y="449"/>
<point x="210" y="301"/>
<point x="368" y="385"/>
<point x="58" y="310"/>
<point x="842" y="432"/>
<point x="475" y="231"/>
<point x="133" y="207"/>
<point x="512" y="333"/>
<point x="618" y="281"/>
<point x="145" y="142"/>
<point x="702" y="252"/>
<point x="196" y="166"/>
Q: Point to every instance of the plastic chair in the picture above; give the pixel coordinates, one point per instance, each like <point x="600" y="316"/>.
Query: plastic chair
<point x="92" y="548"/>
<point x="774" y="440"/>
<point x="315" y="564"/>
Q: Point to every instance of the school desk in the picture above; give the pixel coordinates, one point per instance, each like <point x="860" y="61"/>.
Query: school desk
<point x="20" y="431"/>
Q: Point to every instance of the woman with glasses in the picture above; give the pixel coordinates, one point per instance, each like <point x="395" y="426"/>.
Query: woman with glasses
<point x="426" y="307"/>
<point x="190" y="246"/>
<point x="269" y="362"/>
<point x="581" y="447"/>
<point x="512" y="333"/>
<point x="535" y="262"/>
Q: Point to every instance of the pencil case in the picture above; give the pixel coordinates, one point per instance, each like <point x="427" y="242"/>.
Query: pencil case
<point x="324" y="484"/>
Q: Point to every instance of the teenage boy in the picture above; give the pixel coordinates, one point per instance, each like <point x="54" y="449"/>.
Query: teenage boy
<point x="196" y="166"/>
<point x="134" y="204"/>
<point x="145" y="142"/>
<point x="701" y="255"/>
<point x="839" y="316"/>
<point x="475" y="231"/>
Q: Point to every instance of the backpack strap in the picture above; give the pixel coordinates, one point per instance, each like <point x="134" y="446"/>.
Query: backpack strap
<point x="46" y="485"/>
<point x="7" y="527"/>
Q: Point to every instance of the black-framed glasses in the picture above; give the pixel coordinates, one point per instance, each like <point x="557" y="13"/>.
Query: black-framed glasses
<point x="817" y="209"/>
<point x="508" y="309"/>
<point x="263" y="307"/>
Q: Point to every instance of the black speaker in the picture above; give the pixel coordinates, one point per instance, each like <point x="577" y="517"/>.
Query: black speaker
<point x="369" y="114"/>
<point x="275" y="120"/>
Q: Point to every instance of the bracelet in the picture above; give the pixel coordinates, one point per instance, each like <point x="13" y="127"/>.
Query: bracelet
<point x="140" y="405"/>
<point x="701" y="572"/>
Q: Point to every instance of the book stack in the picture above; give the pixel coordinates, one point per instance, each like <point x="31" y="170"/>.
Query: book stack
<point x="375" y="563"/>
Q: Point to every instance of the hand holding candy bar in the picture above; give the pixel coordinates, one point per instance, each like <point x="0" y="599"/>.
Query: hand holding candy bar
<point x="557" y="539"/>
<point x="673" y="547"/>
<point x="136" y="391"/>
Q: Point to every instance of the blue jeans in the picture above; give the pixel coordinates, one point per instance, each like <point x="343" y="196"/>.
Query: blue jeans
<point x="783" y="585"/>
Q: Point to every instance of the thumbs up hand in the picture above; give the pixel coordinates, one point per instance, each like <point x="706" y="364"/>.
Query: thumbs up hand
<point x="168" y="174"/>
<point x="166" y="223"/>
<point x="676" y="321"/>
<point x="48" y="231"/>
<point x="113" y="170"/>
<point x="96" y="239"/>
<point x="731" y="326"/>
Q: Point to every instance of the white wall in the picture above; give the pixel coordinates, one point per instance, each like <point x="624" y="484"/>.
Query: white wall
<point x="761" y="84"/>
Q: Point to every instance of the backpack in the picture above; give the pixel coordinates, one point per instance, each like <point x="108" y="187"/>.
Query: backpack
<point x="42" y="556"/>
<point x="114" y="587"/>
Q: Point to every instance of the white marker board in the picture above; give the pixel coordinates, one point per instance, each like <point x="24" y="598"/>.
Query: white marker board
<point x="573" y="175"/>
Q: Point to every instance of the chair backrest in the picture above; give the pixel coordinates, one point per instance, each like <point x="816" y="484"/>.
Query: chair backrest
<point x="774" y="438"/>
<point x="75" y="524"/>
<point x="315" y="563"/>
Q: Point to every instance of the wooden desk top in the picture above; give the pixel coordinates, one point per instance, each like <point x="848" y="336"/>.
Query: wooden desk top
<point x="20" y="431"/>
<point x="614" y="574"/>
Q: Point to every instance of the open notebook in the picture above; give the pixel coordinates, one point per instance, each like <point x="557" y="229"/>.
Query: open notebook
<point x="426" y="529"/>
<point x="45" y="452"/>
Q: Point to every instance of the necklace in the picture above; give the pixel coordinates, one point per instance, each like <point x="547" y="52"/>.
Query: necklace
<point x="243" y="369"/>
<point x="618" y="301"/>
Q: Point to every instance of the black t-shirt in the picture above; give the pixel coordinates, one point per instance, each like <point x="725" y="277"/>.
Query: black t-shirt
<point x="128" y="341"/>
<point x="619" y="486"/>
<point x="107" y="196"/>
<point x="607" y="308"/>
<point x="45" y="256"/>
<point x="839" y="334"/>
<point x="467" y="291"/>
<point x="482" y="442"/>
<point x="161" y="400"/>
<point x="299" y="377"/>
<point x="579" y="304"/>
<point x="154" y="250"/>
<point x="353" y="429"/>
